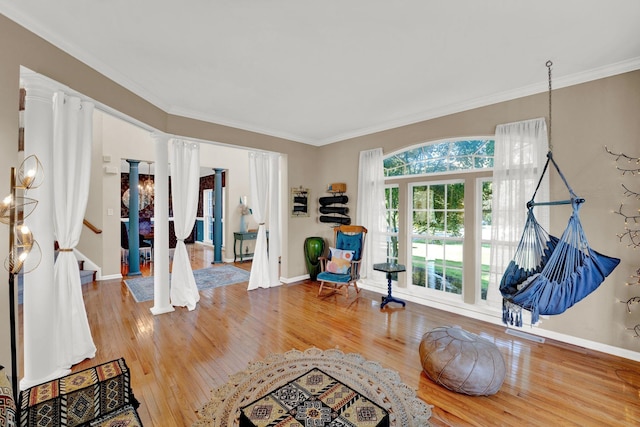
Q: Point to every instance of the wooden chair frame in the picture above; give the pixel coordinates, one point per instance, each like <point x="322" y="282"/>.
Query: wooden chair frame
<point x="355" y="264"/>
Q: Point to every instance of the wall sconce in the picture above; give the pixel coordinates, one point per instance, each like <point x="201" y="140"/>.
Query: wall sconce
<point x="13" y="211"/>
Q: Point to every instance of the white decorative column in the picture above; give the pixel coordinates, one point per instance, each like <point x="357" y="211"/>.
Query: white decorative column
<point x="161" y="295"/>
<point x="38" y="312"/>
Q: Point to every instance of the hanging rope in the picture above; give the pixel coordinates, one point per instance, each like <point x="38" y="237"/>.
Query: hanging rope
<point x="549" y="64"/>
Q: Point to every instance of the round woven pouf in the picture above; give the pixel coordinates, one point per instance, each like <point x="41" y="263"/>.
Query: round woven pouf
<point x="461" y="361"/>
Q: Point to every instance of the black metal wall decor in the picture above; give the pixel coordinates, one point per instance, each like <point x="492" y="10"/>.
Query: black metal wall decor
<point x="333" y="209"/>
<point x="299" y="202"/>
<point x="629" y="166"/>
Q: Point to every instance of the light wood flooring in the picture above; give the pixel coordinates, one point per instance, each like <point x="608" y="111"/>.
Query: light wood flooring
<point x="177" y="358"/>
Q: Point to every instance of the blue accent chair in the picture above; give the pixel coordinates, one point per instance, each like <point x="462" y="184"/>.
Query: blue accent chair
<point x="346" y="237"/>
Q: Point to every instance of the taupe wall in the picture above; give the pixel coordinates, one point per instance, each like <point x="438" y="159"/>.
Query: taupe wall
<point x="586" y="117"/>
<point x="20" y="47"/>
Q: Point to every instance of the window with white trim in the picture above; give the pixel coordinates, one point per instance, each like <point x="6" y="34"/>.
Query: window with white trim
<point x="391" y="198"/>
<point x="447" y="190"/>
<point x="437" y="238"/>
<point x="484" y="194"/>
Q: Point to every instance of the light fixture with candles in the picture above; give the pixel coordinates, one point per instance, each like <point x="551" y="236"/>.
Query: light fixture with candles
<point x="147" y="187"/>
<point x="13" y="211"/>
<point x="145" y="192"/>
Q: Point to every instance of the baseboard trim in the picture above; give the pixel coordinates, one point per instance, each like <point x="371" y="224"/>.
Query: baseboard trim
<point x="526" y="336"/>
<point x="288" y="280"/>
<point x="475" y="313"/>
<point x="109" y="277"/>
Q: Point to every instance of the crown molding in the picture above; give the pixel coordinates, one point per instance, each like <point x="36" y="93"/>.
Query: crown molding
<point x="211" y="118"/>
<point x="121" y="79"/>
<point x="561" y="82"/>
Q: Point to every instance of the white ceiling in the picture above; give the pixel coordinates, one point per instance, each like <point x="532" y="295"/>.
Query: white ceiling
<point x="323" y="71"/>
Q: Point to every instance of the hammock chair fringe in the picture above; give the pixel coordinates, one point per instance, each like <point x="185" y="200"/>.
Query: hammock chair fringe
<point x="511" y="314"/>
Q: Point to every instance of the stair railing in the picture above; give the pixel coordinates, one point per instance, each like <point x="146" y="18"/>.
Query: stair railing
<point x="91" y="226"/>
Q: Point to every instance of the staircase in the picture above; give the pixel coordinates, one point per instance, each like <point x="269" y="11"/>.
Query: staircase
<point x="86" y="276"/>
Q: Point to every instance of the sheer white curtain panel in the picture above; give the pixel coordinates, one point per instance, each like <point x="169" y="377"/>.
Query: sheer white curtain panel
<point x="185" y="187"/>
<point x="371" y="210"/>
<point x="260" y="170"/>
<point x="519" y="157"/>
<point x="72" y="141"/>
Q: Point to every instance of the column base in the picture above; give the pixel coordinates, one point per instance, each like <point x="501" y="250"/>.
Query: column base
<point x="161" y="310"/>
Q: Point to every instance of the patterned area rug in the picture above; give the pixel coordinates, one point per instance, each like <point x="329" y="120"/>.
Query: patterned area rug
<point x="206" y="278"/>
<point x="97" y="396"/>
<point x="382" y="386"/>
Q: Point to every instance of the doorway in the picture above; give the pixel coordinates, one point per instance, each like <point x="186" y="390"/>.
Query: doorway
<point x="209" y="200"/>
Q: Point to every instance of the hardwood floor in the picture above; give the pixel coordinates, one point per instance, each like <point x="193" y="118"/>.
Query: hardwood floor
<point x="177" y="358"/>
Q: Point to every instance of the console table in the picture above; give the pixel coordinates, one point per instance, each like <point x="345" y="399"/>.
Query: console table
<point x="241" y="237"/>
<point x="390" y="268"/>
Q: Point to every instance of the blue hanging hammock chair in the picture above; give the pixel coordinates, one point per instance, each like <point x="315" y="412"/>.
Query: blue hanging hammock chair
<point x="548" y="275"/>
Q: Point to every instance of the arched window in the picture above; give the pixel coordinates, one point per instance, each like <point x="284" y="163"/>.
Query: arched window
<point x="441" y="157"/>
<point x="438" y="202"/>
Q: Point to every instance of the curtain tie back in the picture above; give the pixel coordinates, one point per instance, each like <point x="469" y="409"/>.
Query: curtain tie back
<point x="262" y="223"/>
<point x="65" y="250"/>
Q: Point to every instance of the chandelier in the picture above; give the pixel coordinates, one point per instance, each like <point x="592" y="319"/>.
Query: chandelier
<point x="147" y="187"/>
<point x="145" y="192"/>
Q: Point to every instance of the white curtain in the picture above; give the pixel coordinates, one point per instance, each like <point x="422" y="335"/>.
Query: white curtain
<point x="519" y="157"/>
<point x="72" y="141"/>
<point x="371" y="209"/>
<point x="263" y="179"/>
<point x="185" y="187"/>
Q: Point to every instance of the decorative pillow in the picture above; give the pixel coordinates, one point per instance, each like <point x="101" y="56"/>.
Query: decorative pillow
<point x="340" y="262"/>
<point x="7" y="404"/>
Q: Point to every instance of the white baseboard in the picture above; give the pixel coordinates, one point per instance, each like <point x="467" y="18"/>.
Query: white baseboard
<point x="526" y="336"/>
<point x="496" y="318"/>
<point x="287" y="280"/>
<point x="109" y="277"/>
